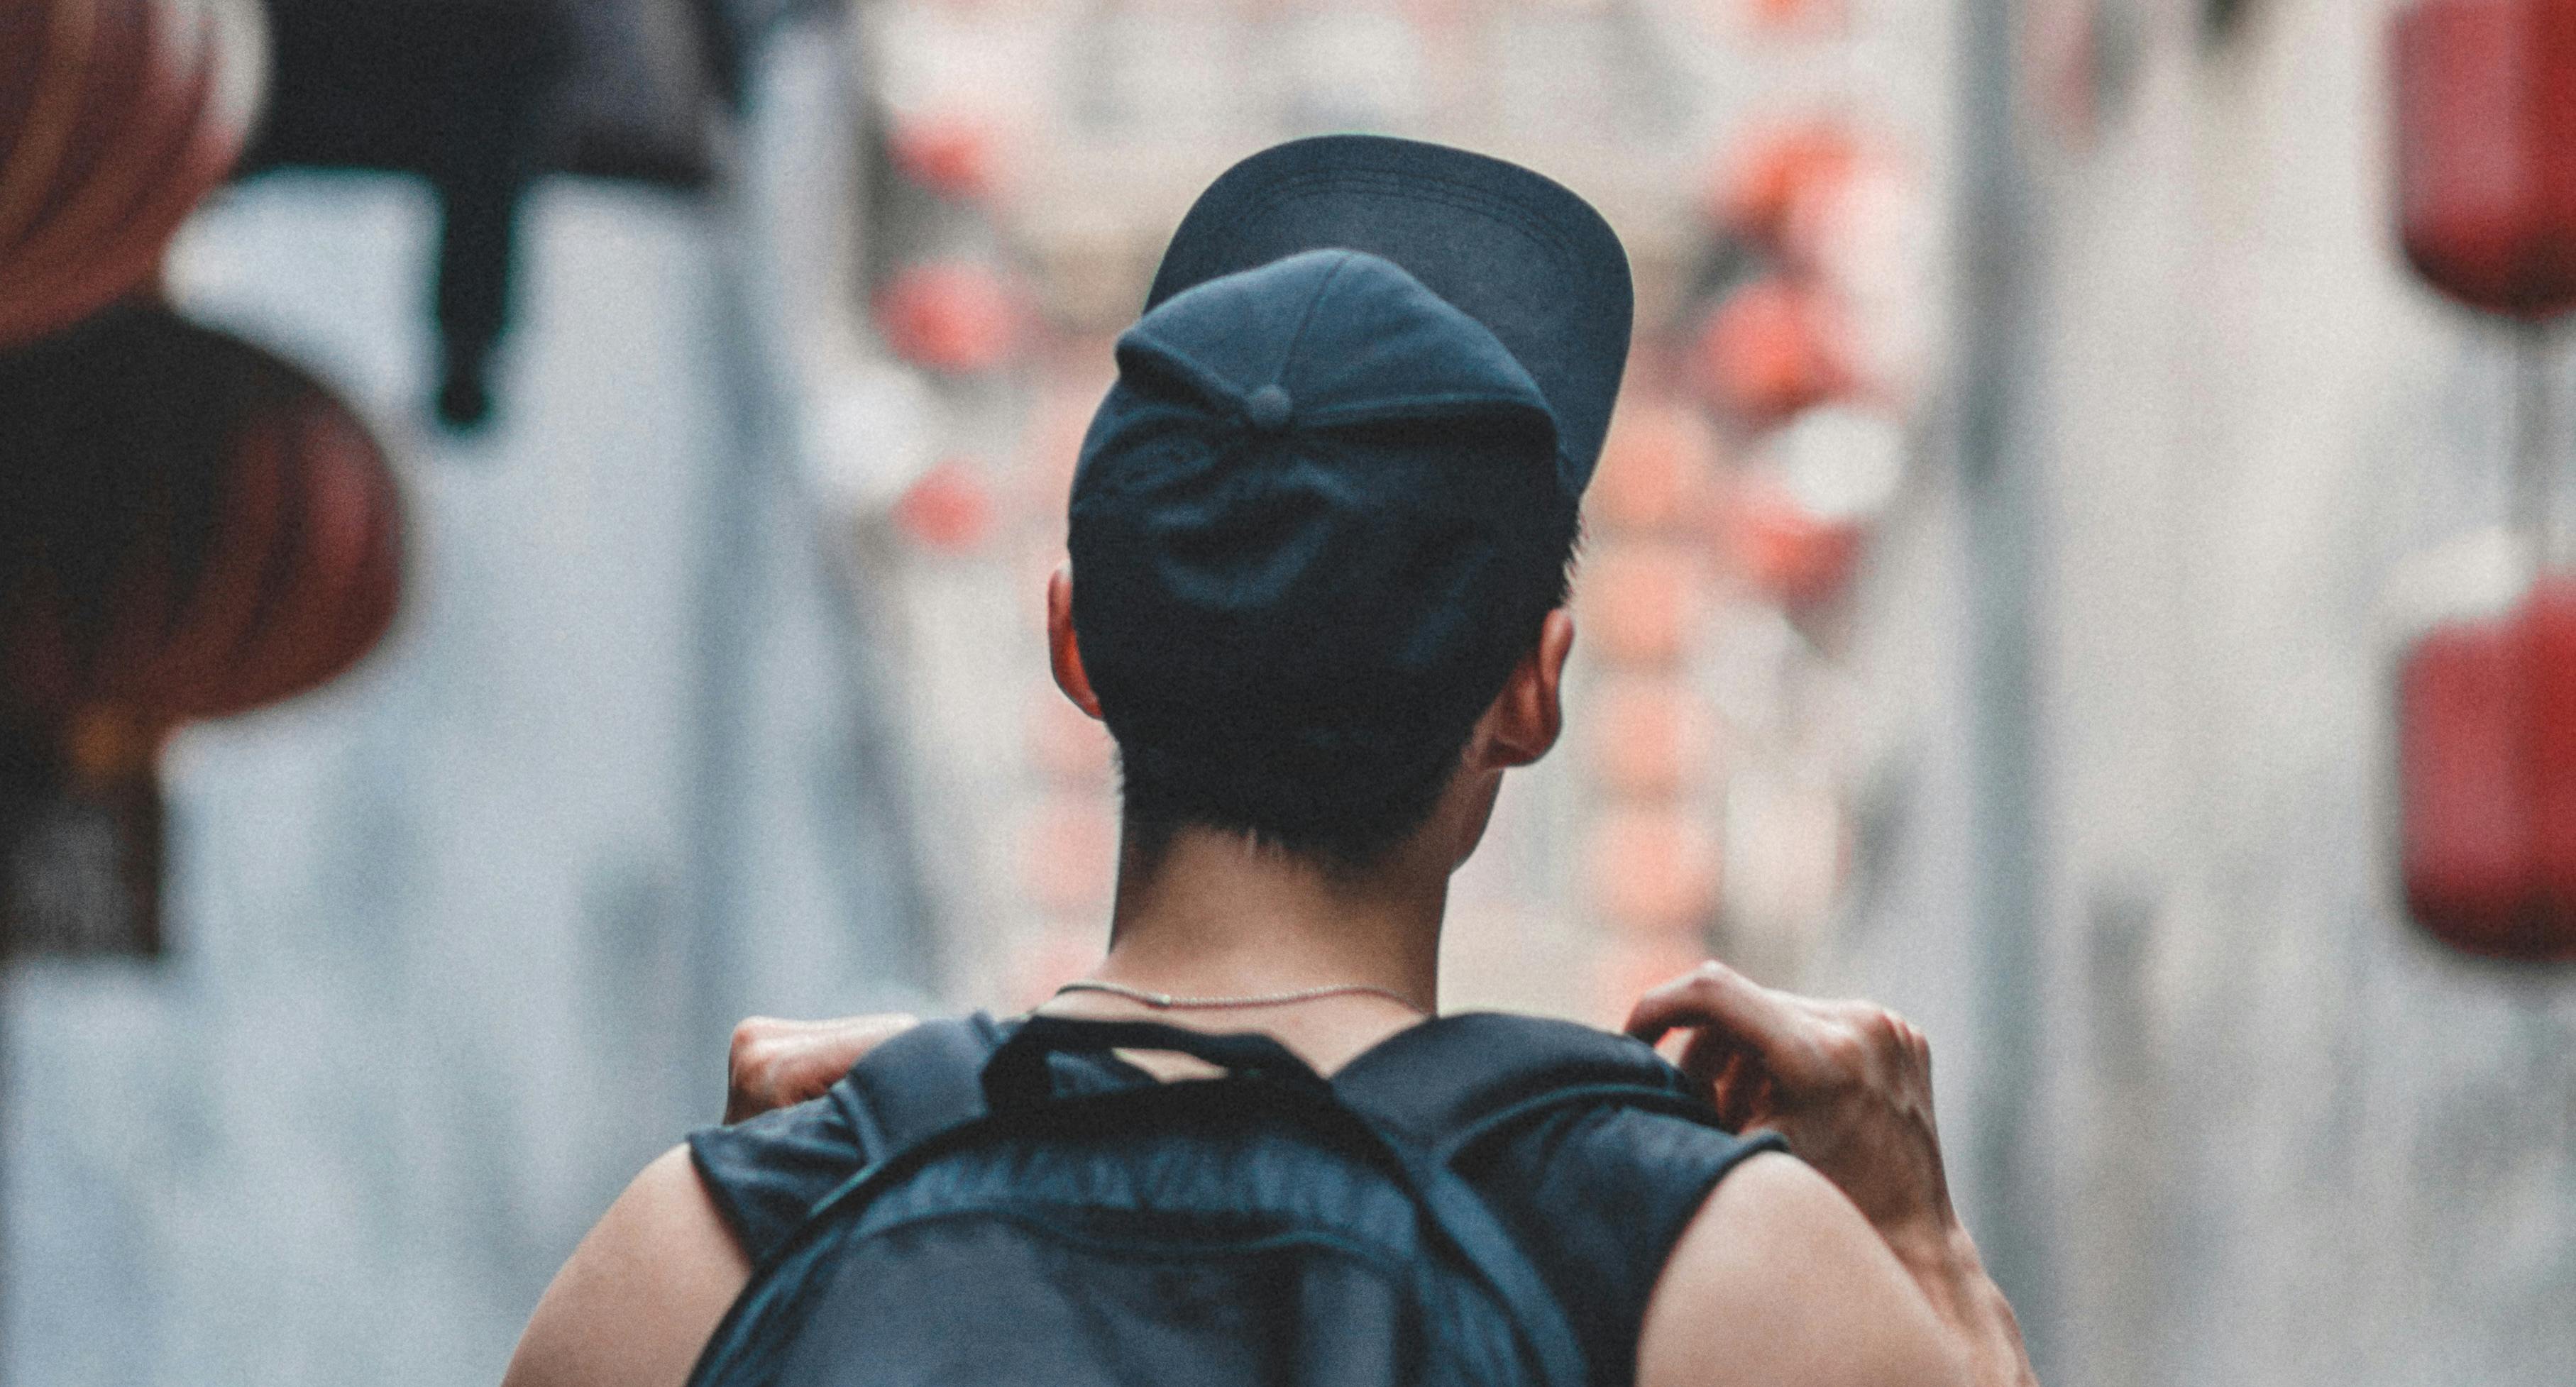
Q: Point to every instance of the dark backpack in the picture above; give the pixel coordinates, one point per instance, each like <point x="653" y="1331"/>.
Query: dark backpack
<point x="1024" y="1217"/>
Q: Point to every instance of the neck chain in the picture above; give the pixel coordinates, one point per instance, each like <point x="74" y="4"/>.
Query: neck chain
<point x="1165" y="1001"/>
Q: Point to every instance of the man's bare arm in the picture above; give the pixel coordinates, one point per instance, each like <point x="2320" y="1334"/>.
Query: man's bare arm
<point x="1850" y="1085"/>
<point x="640" y="1296"/>
<point x="1779" y="1282"/>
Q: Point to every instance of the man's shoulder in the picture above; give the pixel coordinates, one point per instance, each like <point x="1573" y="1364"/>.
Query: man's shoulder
<point x="1778" y="1279"/>
<point x="639" y="1297"/>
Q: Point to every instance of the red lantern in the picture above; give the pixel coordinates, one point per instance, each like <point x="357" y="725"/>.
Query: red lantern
<point x="1770" y="350"/>
<point x="950" y="155"/>
<point x="1797" y="14"/>
<point x="2487" y="778"/>
<point x="1778" y="171"/>
<point x="957" y="317"/>
<point x="2486" y="150"/>
<point x="950" y="508"/>
<point x="116" y="117"/>
<point x="1796" y="557"/>
<point x="189" y="527"/>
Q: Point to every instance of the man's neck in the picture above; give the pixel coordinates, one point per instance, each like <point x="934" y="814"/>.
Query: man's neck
<point x="1212" y="915"/>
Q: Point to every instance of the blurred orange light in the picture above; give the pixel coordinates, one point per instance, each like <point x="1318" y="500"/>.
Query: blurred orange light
<point x="1776" y="172"/>
<point x="1653" y="472"/>
<point x="1797" y="558"/>
<point x="951" y="316"/>
<point x="1805" y="15"/>
<point x="1769" y="350"/>
<point x="1639" y="602"/>
<point x="1653" y="870"/>
<point x="950" y="155"/>
<point x="1653" y="736"/>
<point x="950" y="508"/>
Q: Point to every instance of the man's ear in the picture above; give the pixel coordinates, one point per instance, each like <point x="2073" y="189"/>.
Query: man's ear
<point x="1528" y="715"/>
<point x="1062" y="652"/>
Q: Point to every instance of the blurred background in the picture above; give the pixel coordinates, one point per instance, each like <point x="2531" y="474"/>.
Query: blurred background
<point x="523" y="522"/>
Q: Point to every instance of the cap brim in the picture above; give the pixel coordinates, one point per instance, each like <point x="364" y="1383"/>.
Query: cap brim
<point x="1514" y="250"/>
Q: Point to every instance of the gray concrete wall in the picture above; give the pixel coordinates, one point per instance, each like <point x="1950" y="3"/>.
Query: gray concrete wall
<point x="2280" y="1138"/>
<point x="457" y="939"/>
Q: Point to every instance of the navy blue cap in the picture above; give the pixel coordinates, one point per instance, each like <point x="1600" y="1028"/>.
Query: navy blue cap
<point x="1313" y="493"/>
<point x="1512" y="249"/>
<point x="1320" y="514"/>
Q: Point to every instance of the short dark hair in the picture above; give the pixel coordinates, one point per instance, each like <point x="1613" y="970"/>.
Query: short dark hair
<point x="1352" y="831"/>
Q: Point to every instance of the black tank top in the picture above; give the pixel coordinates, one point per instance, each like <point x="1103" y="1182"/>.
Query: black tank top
<point x="1597" y="1196"/>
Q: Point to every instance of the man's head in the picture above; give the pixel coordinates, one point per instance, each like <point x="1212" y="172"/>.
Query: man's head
<point x="1328" y="508"/>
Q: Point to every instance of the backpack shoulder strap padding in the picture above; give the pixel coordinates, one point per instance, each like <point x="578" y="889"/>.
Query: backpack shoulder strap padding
<point x="1422" y="1089"/>
<point x="920" y="1083"/>
<point x="1448" y="1082"/>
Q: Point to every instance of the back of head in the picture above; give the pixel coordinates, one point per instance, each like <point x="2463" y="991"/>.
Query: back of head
<point x="1326" y="506"/>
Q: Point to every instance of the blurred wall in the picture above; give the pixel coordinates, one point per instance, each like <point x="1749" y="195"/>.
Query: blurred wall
<point x="458" y="939"/>
<point x="2277" y="1137"/>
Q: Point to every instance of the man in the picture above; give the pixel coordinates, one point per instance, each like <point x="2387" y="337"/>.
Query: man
<point x="1320" y="537"/>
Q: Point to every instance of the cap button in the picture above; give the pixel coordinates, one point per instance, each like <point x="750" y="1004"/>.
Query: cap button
<point x="1268" y="408"/>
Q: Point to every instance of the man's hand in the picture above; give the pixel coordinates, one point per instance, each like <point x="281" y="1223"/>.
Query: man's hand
<point x="776" y="1064"/>
<point x="1850" y="1085"/>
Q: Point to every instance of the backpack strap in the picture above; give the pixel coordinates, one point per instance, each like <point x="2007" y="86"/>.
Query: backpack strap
<point x="921" y="1083"/>
<point x="1431" y="1093"/>
<point x="1015" y="1080"/>
<point x="1442" y="1086"/>
<point x="1449" y="1083"/>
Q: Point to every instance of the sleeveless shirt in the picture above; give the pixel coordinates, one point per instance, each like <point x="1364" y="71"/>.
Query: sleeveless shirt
<point x="1595" y="1195"/>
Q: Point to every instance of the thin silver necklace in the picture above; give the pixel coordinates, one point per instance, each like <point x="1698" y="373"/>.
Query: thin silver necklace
<point x="1165" y="1001"/>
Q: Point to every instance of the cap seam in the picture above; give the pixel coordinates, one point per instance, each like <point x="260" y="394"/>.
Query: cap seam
<point x="1297" y="339"/>
<point x="1200" y="374"/>
<point x="1347" y="413"/>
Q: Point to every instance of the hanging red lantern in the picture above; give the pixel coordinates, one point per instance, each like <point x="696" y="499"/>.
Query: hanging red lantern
<point x="116" y="118"/>
<point x="2461" y="821"/>
<point x="2486" y="150"/>
<point x="2487" y="780"/>
<point x="956" y="317"/>
<point x="1785" y="550"/>
<point x="1778" y="170"/>
<point x="950" y="155"/>
<point x="1806" y="15"/>
<point x="1769" y="350"/>
<point x="189" y="527"/>
<point x="949" y="508"/>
